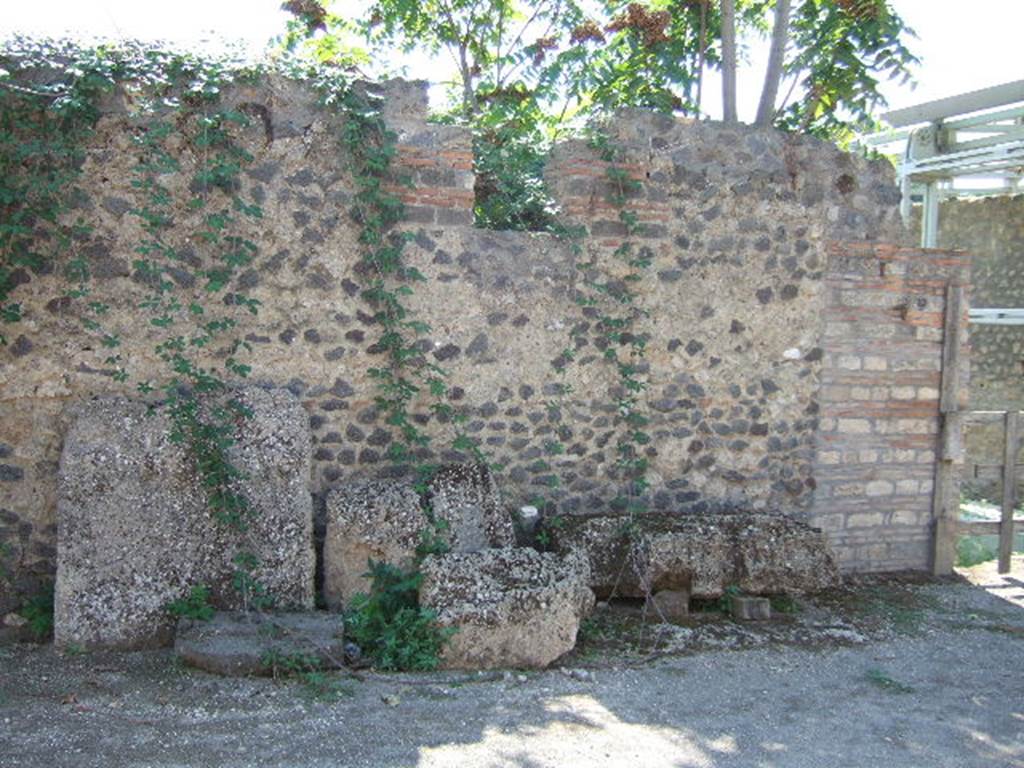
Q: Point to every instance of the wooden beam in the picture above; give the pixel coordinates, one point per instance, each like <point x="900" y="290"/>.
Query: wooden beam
<point x="978" y="527"/>
<point x="1010" y="449"/>
<point x="952" y="343"/>
<point x="946" y="496"/>
<point x="963" y="104"/>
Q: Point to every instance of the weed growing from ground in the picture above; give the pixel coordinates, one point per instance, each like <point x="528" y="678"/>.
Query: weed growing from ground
<point x="195" y="606"/>
<point x="884" y="681"/>
<point x="390" y="625"/>
<point x="306" y="669"/>
<point x="38" y="611"/>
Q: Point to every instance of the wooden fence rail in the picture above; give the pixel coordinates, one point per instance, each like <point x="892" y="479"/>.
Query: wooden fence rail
<point x="1009" y="469"/>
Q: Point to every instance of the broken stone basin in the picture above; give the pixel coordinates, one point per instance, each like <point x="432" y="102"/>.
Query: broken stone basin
<point x="511" y="607"/>
<point x="238" y="644"/>
<point x="647" y="553"/>
<point x="467" y="499"/>
<point x="383" y="520"/>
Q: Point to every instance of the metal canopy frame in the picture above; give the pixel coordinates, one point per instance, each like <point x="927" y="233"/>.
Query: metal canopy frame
<point x="977" y="135"/>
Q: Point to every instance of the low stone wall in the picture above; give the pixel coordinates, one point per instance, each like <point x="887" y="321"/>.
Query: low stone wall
<point x="737" y="224"/>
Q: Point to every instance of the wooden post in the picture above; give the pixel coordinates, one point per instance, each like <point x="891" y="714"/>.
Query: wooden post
<point x="1009" y="490"/>
<point x="946" y="498"/>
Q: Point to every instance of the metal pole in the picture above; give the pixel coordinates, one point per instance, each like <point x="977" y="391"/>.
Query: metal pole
<point x="930" y="216"/>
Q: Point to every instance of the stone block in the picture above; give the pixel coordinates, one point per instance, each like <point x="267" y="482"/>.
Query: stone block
<point x="238" y="644"/>
<point x="510" y="607"/>
<point x="639" y="555"/>
<point x="744" y="608"/>
<point x="466" y="498"/>
<point x="135" y="530"/>
<point x="380" y="520"/>
<point x="671" y="605"/>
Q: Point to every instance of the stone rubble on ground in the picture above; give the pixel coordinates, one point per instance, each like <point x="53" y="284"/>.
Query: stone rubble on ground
<point x="379" y="520"/>
<point x="646" y="553"/>
<point x="510" y="607"/>
<point x="135" y="531"/>
<point x="466" y="498"/>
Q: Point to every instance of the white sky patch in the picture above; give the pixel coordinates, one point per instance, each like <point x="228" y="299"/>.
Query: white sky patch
<point x="962" y="47"/>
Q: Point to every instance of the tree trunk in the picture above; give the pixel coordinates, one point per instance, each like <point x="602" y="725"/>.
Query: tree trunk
<point x="729" y="61"/>
<point x="776" y="58"/>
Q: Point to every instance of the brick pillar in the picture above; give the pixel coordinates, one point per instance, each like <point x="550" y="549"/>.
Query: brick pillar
<point x="879" y="421"/>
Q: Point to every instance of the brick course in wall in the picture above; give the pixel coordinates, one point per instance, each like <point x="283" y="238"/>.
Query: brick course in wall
<point x="879" y="422"/>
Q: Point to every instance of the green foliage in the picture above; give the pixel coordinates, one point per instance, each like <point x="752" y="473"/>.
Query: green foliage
<point x="724" y="603"/>
<point x="972" y="551"/>
<point x="196" y="605"/>
<point x="38" y="611"/>
<point x="308" y="670"/>
<point x="254" y="593"/>
<point x="42" y="133"/>
<point x="784" y="604"/>
<point x="844" y="47"/>
<point x="390" y="625"/>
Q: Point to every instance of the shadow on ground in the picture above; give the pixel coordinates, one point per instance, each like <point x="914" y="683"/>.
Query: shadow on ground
<point x="933" y="681"/>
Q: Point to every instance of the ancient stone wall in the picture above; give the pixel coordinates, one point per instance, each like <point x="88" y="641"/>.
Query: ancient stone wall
<point x="992" y="230"/>
<point x="737" y="225"/>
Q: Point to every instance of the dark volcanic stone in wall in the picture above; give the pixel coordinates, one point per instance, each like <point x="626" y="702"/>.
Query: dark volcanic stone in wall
<point x="725" y="213"/>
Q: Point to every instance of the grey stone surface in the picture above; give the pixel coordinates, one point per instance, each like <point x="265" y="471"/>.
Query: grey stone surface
<point x="237" y="644"/>
<point x="746" y="608"/>
<point x="761" y="554"/>
<point x="671" y="605"/>
<point x="511" y="607"/>
<point x="466" y="497"/>
<point x="135" y="531"/>
<point x="368" y="519"/>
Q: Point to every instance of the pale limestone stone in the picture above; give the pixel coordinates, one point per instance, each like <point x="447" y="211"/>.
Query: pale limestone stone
<point x="379" y="520"/>
<point x="510" y="607"/>
<point x="134" y="527"/>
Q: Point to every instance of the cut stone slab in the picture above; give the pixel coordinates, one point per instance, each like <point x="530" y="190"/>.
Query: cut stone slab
<point x="510" y="607"/>
<point x="466" y="497"/>
<point x="744" y="608"/>
<point x="378" y="520"/>
<point x="758" y="553"/>
<point x="238" y="644"/>
<point x="135" y="532"/>
<point x="671" y="605"/>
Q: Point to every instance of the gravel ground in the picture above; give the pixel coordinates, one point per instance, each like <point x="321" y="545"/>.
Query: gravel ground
<point x="922" y="674"/>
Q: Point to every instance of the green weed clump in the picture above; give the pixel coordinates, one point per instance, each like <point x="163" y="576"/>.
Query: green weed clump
<point x="390" y="625"/>
<point x="196" y="605"/>
<point x="38" y="611"/>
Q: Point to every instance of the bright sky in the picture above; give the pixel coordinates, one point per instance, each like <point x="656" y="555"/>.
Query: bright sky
<point x="963" y="46"/>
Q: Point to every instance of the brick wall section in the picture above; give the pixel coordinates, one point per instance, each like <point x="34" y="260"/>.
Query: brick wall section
<point x="879" y="422"/>
<point x="435" y="168"/>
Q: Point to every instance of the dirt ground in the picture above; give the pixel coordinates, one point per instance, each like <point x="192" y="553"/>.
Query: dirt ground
<point x="888" y="672"/>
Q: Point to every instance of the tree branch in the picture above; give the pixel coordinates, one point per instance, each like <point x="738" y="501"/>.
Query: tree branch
<point x="776" y="59"/>
<point x="729" y="61"/>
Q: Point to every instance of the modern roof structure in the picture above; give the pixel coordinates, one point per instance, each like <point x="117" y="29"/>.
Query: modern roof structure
<point x="948" y="144"/>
